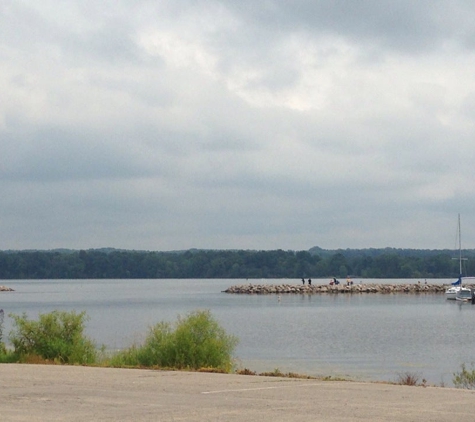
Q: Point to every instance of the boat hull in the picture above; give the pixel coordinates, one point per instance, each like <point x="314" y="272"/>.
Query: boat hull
<point x="464" y="295"/>
<point x="451" y="293"/>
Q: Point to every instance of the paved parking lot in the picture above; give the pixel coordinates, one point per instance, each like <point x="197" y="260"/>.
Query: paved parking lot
<point x="73" y="393"/>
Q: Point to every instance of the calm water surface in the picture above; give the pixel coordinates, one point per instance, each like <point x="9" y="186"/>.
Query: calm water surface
<point x="362" y="336"/>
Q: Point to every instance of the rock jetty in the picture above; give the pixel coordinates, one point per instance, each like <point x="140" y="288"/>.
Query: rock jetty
<point x="341" y="288"/>
<point x="5" y="289"/>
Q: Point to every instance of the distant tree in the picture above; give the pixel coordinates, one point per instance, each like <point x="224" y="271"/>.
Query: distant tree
<point x="377" y="263"/>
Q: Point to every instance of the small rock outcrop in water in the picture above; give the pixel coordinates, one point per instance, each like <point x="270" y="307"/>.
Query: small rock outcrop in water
<point x="5" y="289"/>
<point x="326" y="288"/>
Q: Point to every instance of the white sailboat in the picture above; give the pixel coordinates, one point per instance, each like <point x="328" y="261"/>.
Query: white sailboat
<point x="451" y="292"/>
<point x="457" y="291"/>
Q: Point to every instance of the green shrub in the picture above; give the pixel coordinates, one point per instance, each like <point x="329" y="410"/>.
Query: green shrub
<point x="3" y="350"/>
<point x="57" y="336"/>
<point x="1" y="329"/>
<point x="465" y="378"/>
<point x="124" y="358"/>
<point x="194" y="342"/>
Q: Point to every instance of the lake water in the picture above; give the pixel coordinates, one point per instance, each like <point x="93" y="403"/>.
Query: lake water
<point x="360" y="336"/>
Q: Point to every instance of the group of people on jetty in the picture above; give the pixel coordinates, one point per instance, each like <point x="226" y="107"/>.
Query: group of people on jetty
<point x="333" y="281"/>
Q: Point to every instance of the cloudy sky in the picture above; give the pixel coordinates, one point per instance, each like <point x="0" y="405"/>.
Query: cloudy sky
<point x="165" y="125"/>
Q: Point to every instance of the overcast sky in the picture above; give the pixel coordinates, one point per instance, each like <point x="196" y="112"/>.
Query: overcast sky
<point x="165" y="125"/>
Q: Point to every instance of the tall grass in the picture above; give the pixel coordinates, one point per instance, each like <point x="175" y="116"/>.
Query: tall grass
<point x="2" y="345"/>
<point x="1" y="325"/>
<point x="194" y="342"/>
<point x="5" y="355"/>
<point x="410" y="378"/>
<point x="57" y="336"/>
<point x="465" y="378"/>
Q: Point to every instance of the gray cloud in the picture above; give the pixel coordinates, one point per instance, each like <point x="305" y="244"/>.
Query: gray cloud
<point x="406" y="25"/>
<point x="218" y="124"/>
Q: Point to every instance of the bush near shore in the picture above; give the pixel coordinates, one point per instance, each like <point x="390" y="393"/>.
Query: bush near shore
<point x="57" y="336"/>
<point x="193" y="342"/>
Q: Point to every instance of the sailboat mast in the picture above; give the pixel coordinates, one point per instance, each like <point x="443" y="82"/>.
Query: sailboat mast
<point x="460" y="248"/>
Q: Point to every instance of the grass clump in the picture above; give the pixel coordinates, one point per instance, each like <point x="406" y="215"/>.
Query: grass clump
<point x="275" y="373"/>
<point x="194" y="342"/>
<point x="465" y="378"/>
<point x="278" y="373"/>
<point x="410" y="378"/>
<point x="3" y="350"/>
<point x="56" y="336"/>
<point x="6" y="356"/>
<point x="246" y="371"/>
<point x="2" y="345"/>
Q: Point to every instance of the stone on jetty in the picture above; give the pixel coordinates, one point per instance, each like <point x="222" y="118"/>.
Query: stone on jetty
<point x="341" y="288"/>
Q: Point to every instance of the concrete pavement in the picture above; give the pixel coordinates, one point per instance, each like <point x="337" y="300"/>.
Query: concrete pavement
<point x="74" y="393"/>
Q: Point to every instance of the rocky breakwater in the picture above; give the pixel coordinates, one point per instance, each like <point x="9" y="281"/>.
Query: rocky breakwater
<point x="326" y="288"/>
<point x="5" y="289"/>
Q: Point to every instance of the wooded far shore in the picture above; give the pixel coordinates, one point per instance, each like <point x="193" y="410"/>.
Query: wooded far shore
<point x="196" y="263"/>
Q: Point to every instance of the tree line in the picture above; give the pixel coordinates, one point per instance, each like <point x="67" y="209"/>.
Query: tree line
<point x="92" y="264"/>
